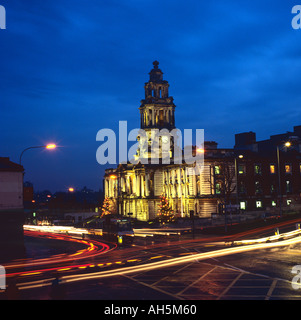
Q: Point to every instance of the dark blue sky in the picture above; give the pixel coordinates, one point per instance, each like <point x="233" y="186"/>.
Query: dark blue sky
<point x="70" y="68"/>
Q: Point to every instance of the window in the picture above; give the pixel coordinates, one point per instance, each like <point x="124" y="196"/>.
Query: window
<point x="257" y="187"/>
<point x="241" y="169"/>
<point x="258" y="204"/>
<point x="274" y="203"/>
<point x="257" y="169"/>
<point x="288" y="202"/>
<point x="243" y="205"/>
<point x="217" y="169"/>
<point x="288" y="186"/>
<point x="161" y="118"/>
<point x="288" y="168"/>
<point x="218" y="188"/>
<point x="273" y="189"/>
<point x="242" y="187"/>
<point x="272" y="169"/>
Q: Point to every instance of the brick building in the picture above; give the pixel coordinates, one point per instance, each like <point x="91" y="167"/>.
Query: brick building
<point x="269" y="174"/>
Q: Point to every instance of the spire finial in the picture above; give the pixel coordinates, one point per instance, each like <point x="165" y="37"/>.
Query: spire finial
<point x="156" y="64"/>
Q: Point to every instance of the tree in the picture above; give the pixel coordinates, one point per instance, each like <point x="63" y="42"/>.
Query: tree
<point x="108" y="207"/>
<point x="165" y="211"/>
<point x="224" y="180"/>
<point x="224" y="183"/>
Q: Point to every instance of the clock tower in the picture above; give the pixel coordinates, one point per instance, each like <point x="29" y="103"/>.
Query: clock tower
<point x="157" y="117"/>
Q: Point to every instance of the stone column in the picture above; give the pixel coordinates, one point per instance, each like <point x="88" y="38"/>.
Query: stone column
<point x="142" y="186"/>
<point x="146" y="184"/>
<point x="137" y="185"/>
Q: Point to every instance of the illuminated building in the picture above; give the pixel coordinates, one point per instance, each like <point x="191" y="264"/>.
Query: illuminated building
<point x="136" y="188"/>
<point x="245" y="178"/>
<point x="261" y="185"/>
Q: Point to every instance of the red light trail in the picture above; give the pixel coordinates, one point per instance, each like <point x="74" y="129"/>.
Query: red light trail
<point x="93" y="248"/>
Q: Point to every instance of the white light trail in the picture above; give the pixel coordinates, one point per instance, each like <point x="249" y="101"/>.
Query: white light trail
<point x="177" y="261"/>
<point x="180" y="260"/>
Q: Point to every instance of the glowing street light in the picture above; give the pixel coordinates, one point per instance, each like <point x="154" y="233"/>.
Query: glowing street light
<point x="48" y="146"/>
<point x="51" y="146"/>
<point x="71" y="189"/>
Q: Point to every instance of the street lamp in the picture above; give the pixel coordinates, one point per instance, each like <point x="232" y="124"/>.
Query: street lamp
<point x="51" y="146"/>
<point x="48" y="146"/>
<point x="287" y="145"/>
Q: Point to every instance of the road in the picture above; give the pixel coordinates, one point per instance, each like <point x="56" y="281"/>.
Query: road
<point x="176" y="269"/>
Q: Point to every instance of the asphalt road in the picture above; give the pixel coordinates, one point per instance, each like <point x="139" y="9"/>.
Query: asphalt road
<point x="264" y="274"/>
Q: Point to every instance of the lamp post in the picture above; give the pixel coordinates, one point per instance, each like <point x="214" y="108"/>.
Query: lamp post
<point x="48" y="146"/>
<point x="287" y="145"/>
<point x="201" y="151"/>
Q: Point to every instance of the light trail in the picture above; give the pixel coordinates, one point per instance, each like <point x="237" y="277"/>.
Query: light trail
<point x="168" y="262"/>
<point x="56" y="229"/>
<point x="276" y="237"/>
<point x="180" y="260"/>
<point x="93" y="249"/>
<point x="81" y="231"/>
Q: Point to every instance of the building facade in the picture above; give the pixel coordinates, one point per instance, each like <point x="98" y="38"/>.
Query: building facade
<point x="11" y="209"/>
<point x="252" y="176"/>
<point x="269" y="173"/>
<point x="136" y="188"/>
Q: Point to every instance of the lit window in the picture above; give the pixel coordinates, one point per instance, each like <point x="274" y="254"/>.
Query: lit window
<point x="243" y="205"/>
<point x="258" y="204"/>
<point x="218" y="188"/>
<point x="273" y="203"/>
<point x="217" y="169"/>
<point x="288" y="202"/>
<point x="241" y="169"/>
<point x="257" y="169"/>
<point x="288" y="186"/>
<point x="288" y="168"/>
<point x="272" y="169"/>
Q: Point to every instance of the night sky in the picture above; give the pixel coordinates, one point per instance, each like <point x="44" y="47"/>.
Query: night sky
<point x="70" y="68"/>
